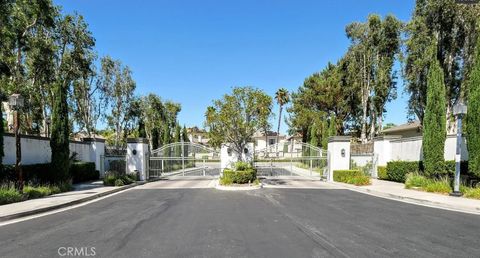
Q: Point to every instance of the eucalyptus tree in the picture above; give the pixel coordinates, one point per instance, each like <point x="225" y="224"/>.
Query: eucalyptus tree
<point x="236" y="117"/>
<point x="454" y="28"/>
<point x="153" y="116"/>
<point x="74" y="44"/>
<point x="120" y="94"/>
<point x="375" y="44"/>
<point x="282" y="97"/>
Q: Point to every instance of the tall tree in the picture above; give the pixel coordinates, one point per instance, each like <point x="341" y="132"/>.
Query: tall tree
<point x="185" y="134"/>
<point x="121" y="97"/>
<point x="434" y="125"/>
<point x="372" y="53"/>
<point x="75" y="44"/>
<point x="473" y="117"/>
<point x="282" y="97"/>
<point x="235" y="117"/>
<point x="453" y="27"/>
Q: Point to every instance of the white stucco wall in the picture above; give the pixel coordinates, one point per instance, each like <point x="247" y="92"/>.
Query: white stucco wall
<point x="410" y="149"/>
<point x="337" y="161"/>
<point x="138" y="161"/>
<point x="36" y="150"/>
<point x="361" y="159"/>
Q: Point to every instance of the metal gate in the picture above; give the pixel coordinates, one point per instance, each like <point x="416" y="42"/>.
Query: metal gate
<point x="184" y="159"/>
<point x="291" y="159"/>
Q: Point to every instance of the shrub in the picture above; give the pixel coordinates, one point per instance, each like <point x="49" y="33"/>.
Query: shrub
<point x="238" y="177"/>
<point x="83" y="171"/>
<point x="414" y="180"/>
<point x="382" y="173"/>
<point x="470" y="192"/>
<point x="119" y="182"/>
<point x="113" y="178"/>
<point x="439" y="186"/>
<point x="345" y="175"/>
<point x="242" y="166"/>
<point x="37" y="192"/>
<point x="359" y="180"/>
<point x="8" y="194"/>
<point x="397" y="170"/>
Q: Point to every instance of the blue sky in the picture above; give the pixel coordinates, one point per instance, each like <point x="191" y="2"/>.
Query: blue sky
<point x="192" y="52"/>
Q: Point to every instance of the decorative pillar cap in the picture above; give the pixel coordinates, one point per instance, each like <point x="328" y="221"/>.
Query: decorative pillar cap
<point x="137" y="140"/>
<point x="339" y="138"/>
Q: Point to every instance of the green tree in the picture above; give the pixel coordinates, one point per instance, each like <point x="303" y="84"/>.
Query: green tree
<point x="453" y="27"/>
<point x="282" y="97"/>
<point x="1" y="133"/>
<point x="73" y="61"/>
<point x="185" y="134"/>
<point x="473" y="117"/>
<point x="434" y="125"/>
<point x="235" y="117"/>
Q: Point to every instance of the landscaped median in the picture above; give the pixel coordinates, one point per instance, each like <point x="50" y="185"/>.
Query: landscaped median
<point x="241" y="176"/>
<point x="354" y="177"/>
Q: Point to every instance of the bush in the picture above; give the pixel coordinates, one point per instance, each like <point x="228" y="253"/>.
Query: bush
<point x="238" y="177"/>
<point x="345" y="175"/>
<point x="43" y="174"/>
<point x="359" y="180"/>
<point x="397" y="170"/>
<point x="414" y="180"/>
<point x="119" y="182"/>
<point x="242" y="166"/>
<point x="83" y="171"/>
<point x="470" y="192"/>
<point x="382" y="173"/>
<point x="8" y="194"/>
<point x="113" y="178"/>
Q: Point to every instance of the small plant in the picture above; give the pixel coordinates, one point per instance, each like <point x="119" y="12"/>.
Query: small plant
<point x="414" y="180"/>
<point x="439" y="186"/>
<point x="382" y="173"/>
<point x="8" y="194"/>
<point x="226" y="180"/>
<point x="470" y="192"/>
<point x="119" y="182"/>
<point x="242" y="166"/>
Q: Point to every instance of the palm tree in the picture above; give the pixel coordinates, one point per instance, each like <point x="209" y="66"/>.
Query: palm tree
<point x="283" y="97"/>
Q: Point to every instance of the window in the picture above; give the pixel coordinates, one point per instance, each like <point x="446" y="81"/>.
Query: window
<point x="271" y="141"/>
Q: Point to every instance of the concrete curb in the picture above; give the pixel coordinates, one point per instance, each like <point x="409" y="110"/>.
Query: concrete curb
<point x="410" y="200"/>
<point x="67" y="204"/>
<point x="237" y="188"/>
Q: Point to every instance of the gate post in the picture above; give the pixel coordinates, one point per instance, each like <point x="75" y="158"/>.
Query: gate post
<point x="339" y="154"/>
<point x="137" y="153"/>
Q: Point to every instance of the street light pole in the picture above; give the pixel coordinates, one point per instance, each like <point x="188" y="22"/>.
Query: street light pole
<point x="459" y="110"/>
<point x="16" y="103"/>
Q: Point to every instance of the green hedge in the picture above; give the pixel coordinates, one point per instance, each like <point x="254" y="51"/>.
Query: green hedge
<point x="83" y="171"/>
<point x="43" y="174"/>
<point x="113" y="178"/>
<point x="397" y="170"/>
<point x="239" y="177"/>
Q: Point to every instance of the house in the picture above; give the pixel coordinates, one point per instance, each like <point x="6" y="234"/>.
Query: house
<point x="197" y="135"/>
<point x="259" y="139"/>
<point x="411" y="129"/>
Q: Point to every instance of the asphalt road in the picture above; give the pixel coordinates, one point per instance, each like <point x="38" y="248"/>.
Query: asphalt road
<point x="152" y="221"/>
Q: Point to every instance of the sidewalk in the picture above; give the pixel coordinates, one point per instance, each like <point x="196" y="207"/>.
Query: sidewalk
<point x="82" y="193"/>
<point x="393" y="190"/>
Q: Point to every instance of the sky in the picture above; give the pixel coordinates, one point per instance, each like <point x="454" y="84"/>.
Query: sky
<point x="193" y="52"/>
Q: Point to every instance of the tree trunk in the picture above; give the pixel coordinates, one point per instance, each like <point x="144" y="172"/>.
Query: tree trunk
<point x="278" y="129"/>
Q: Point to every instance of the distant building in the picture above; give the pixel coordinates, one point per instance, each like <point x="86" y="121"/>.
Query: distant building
<point x="411" y="129"/>
<point x="197" y="135"/>
<point x="259" y="139"/>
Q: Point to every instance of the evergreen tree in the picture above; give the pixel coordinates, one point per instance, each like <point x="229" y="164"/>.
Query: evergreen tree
<point x="166" y="138"/>
<point x="185" y="134"/>
<point x="155" y="138"/>
<point x="473" y="117"/>
<point x="59" y="142"/>
<point x="1" y="136"/>
<point x="434" y="125"/>
<point x="314" y="135"/>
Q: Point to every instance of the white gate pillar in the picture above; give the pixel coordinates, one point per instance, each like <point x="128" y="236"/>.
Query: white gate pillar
<point x="96" y="150"/>
<point x="137" y="157"/>
<point x="229" y="157"/>
<point x="338" y="154"/>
